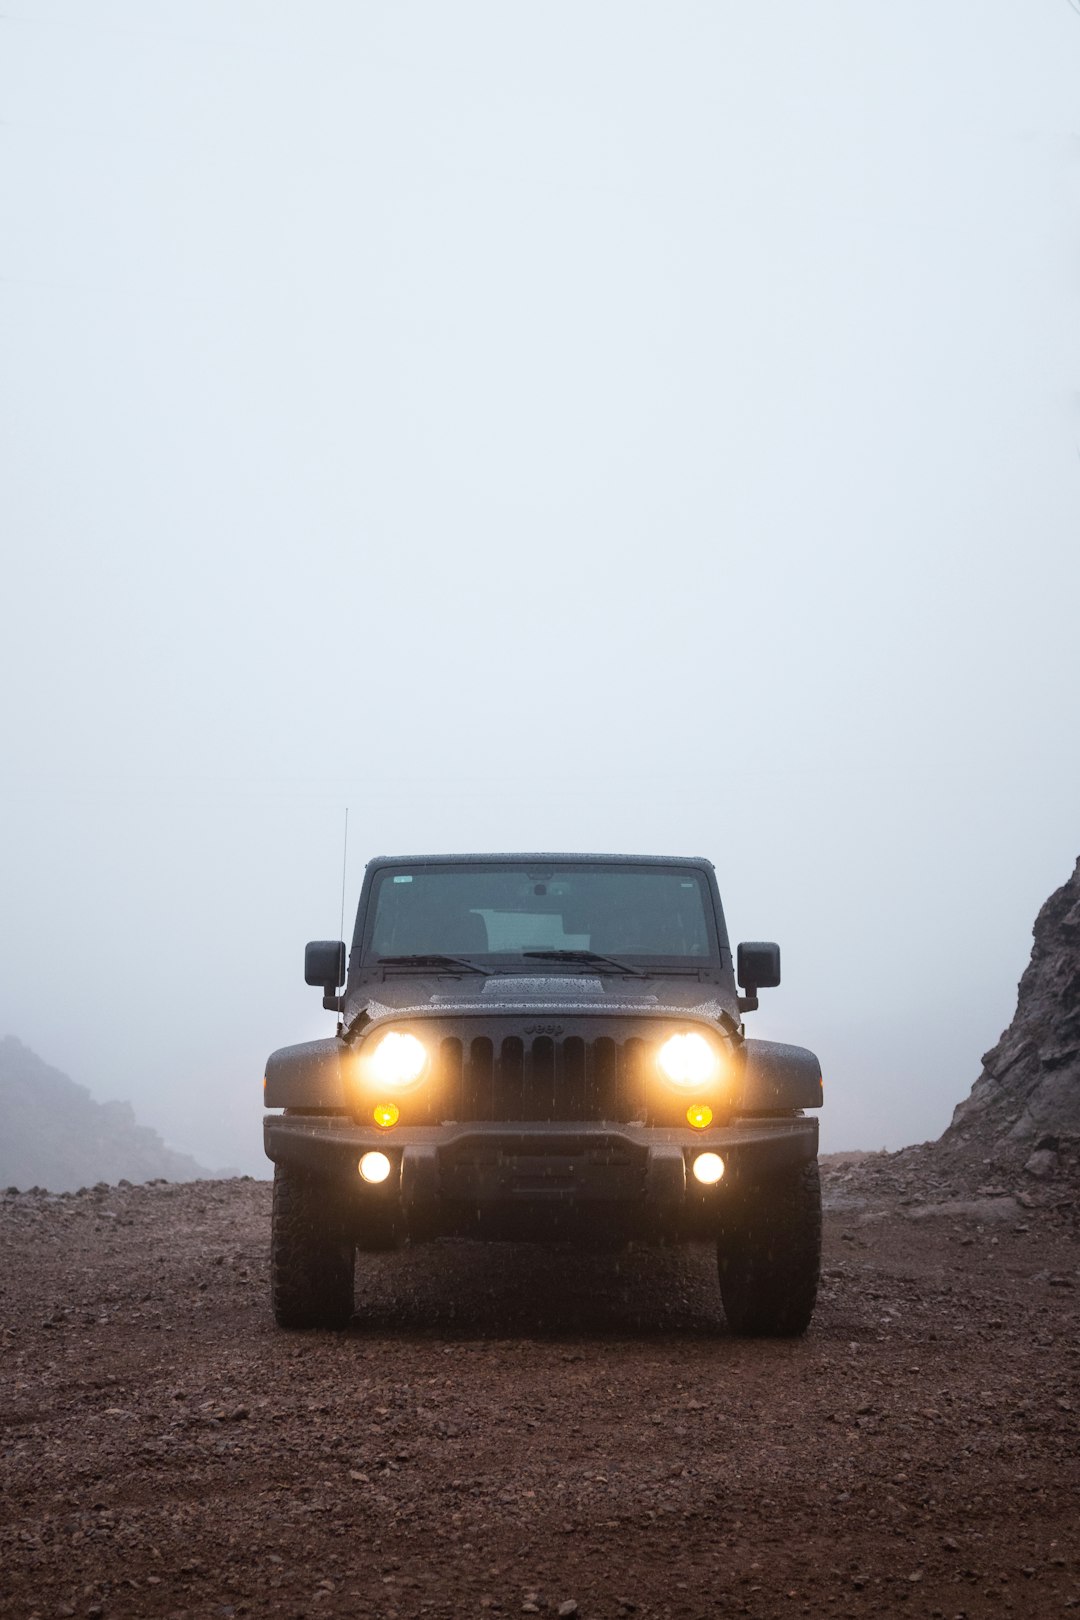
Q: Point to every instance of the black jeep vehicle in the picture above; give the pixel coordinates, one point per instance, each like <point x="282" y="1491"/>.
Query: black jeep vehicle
<point x="545" y="1048"/>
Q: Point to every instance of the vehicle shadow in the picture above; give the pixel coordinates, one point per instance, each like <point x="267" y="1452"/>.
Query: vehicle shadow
<point x="465" y="1290"/>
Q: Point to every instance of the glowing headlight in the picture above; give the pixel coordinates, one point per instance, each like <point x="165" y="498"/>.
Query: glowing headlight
<point x="374" y="1167"/>
<point x="688" y="1060"/>
<point x="398" y="1060"/>
<point x="708" y="1168"/>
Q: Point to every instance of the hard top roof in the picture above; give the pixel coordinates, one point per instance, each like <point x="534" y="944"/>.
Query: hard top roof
<point x="541" y="856"/>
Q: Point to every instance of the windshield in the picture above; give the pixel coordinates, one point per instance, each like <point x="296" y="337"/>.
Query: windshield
<point x="503" y="913"/>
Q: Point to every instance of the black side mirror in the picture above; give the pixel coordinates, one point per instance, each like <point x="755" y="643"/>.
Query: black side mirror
<point x="324" y="964"/>
<point x="758" y="968"/>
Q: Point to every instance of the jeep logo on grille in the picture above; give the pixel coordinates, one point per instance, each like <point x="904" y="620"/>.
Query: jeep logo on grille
<point x="543" y="1029"/>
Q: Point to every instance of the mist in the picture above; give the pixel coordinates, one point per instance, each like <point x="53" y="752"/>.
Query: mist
<point x="580" y="427"/>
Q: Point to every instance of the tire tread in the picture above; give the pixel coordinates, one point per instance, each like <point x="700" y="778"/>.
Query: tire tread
<point x="769" y="1254"/>
<point x="311" y="1257"/>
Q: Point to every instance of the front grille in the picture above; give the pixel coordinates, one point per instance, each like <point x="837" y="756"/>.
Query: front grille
<point x="542" y="1077"/>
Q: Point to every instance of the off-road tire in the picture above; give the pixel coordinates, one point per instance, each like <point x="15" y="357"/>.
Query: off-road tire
<point x="311" y="1255"/>
<point x="769" y="1254"/>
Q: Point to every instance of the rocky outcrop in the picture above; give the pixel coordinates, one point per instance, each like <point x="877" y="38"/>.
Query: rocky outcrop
<point x="53" y="1134"/>
<point x="1025" y="1105"/>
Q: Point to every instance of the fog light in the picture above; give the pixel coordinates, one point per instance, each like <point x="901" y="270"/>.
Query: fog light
<point x="699" y="1115"/>
<point x="376" y="1166"/>
<point x="708" y="1168"/>
<point x="386" y="1114"/>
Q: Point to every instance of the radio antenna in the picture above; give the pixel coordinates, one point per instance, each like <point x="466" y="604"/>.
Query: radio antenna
<point x="344" y="863"/>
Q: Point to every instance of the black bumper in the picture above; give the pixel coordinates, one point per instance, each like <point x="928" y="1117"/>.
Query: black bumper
<point x="537" y="1180"/>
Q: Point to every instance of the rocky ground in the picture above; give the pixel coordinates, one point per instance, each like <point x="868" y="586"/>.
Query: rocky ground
<point x="509" y="1431"/>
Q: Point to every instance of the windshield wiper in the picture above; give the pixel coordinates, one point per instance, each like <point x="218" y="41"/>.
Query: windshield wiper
<point x="588" y="957"/>
<point x="430" y="959"/>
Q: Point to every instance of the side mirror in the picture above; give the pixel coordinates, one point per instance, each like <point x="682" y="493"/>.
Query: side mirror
<point x="324" y="964"/>
<point x="757" y="968"/>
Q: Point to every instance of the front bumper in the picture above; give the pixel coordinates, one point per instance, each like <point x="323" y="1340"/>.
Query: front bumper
<point x="538" y="1180"/>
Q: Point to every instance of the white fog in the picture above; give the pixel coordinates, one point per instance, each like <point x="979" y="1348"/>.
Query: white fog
<point x="582" y="427"/>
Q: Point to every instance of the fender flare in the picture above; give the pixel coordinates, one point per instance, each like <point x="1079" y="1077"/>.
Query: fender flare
<point x="778" y="1077"/>
<point x="307" y="1076"/>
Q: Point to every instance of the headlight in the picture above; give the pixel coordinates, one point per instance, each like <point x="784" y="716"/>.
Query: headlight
<point x="398" y="1060"/>
<point x="688" y="1060"/>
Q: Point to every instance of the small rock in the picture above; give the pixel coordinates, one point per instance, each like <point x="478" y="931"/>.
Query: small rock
<point x="565" y="1610"/>
<point x="1042" y="1164"/>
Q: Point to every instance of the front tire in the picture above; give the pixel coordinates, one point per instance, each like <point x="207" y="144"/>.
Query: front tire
<point x="311" y="1255"/>
<point x="769" y="1254"/>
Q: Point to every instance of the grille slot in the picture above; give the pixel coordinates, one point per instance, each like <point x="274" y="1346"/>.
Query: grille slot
<point x="542" y="1078"/>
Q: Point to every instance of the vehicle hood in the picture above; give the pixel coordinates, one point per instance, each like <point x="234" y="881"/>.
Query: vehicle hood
<point x="540" y="993"/>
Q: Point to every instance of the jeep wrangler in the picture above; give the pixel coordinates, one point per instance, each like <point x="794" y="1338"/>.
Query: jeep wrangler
<point x="546" y="1048"/>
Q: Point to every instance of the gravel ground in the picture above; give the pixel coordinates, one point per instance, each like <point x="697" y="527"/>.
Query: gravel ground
<point x="516" y="1431"/>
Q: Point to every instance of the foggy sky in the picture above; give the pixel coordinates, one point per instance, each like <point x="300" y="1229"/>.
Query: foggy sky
<point x="600" y="426"/>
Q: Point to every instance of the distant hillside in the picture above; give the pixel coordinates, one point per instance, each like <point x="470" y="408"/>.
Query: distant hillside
<point x="53" y="1134"/>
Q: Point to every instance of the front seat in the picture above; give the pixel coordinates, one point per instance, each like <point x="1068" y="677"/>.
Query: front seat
<point x="464" y="933"/>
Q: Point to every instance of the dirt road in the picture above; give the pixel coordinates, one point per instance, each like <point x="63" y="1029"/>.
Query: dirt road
<point x="509" y="1431"/>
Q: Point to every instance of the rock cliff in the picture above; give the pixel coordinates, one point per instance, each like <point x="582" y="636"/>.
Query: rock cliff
<point x="53" y="1134"/>
<point x="1025" y="1105"/>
